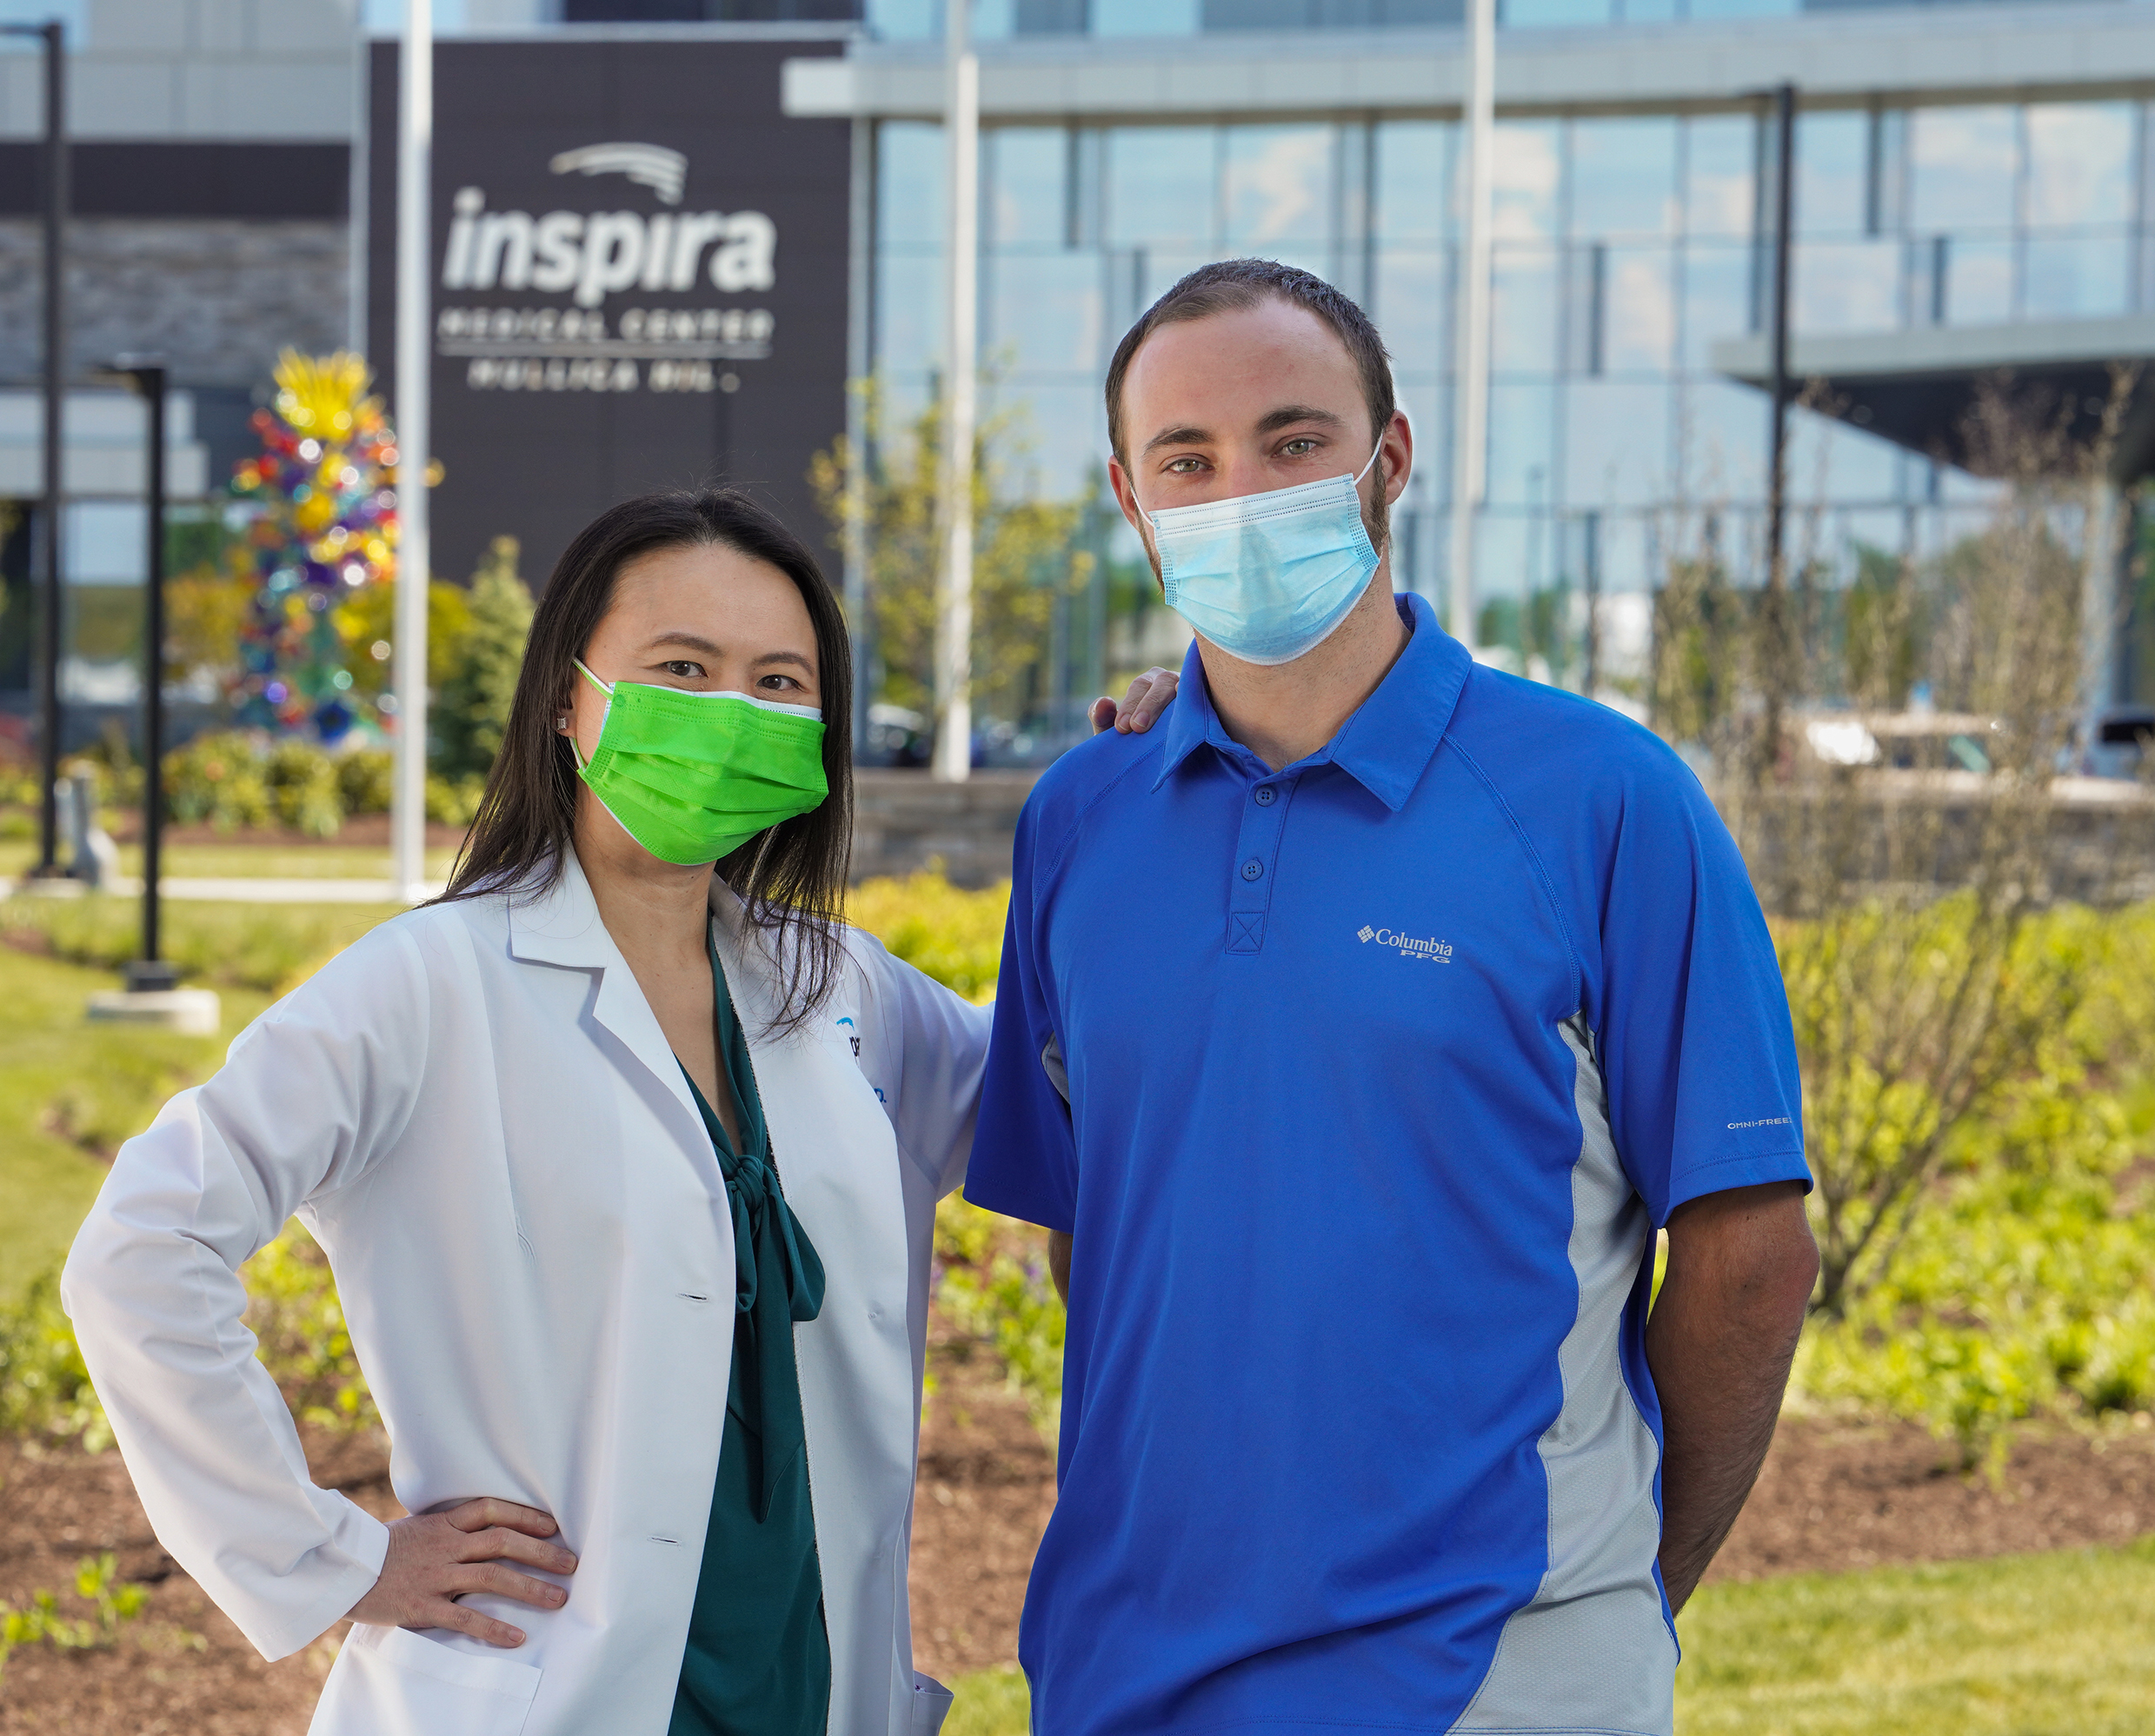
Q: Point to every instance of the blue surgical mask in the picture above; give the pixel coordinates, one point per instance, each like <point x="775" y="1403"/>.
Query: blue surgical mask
<point x="1267" y="577"/>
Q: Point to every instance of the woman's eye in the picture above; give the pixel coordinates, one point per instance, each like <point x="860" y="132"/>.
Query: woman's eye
<point x="682" y="670"/>
<point x="782" y="684"/>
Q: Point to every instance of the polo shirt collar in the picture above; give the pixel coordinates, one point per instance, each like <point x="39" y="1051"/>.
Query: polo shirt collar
<point x="1383" y="745"/>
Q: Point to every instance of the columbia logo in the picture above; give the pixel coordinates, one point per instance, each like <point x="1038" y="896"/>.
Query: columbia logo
<point x="1408" y="946"/>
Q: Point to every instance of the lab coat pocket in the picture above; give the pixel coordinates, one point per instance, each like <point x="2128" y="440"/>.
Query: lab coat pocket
<point x="389" y="1681"/>
<point x="931" y="1704"/>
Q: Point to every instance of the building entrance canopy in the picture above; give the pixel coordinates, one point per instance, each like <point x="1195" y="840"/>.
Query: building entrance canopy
<point x="1920" y="388"/>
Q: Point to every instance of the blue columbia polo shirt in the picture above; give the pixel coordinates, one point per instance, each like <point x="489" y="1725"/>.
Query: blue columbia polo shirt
<point x="1363" y="1086"/>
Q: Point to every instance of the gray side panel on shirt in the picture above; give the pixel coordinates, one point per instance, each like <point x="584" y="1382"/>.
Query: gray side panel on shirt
<point x="1592" y="1653"/>
<point x="1051" y="1064"/>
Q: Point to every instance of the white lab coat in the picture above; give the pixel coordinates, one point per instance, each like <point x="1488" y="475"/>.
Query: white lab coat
<point x="477" y="1114"/>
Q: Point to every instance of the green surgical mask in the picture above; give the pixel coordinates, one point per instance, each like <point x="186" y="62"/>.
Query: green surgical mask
<point x="692" y="776"/>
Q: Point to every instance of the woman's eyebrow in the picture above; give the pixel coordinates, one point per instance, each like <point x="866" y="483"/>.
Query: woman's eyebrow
<point x="793" y="658"/>
<point x="687" y="640"/>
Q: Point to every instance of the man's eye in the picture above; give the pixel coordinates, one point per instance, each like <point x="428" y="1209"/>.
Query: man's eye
<point x="1298" y="448"/>
<point x="1185" y="467"/>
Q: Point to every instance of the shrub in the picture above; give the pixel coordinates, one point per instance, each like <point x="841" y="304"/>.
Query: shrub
<point x="45" y="1388"/>
<point x="941" y="930"/>
<point x="293" y="1310"/>
<point x="302" y="785"/>
<point x="453" y="801"/>
<point x="2017" y="1284"/>
<point x="1006" y="1300"/>
<point x="217" y="778"/>
<point x="366" y="779"/>
<point x="297" y="1315"/>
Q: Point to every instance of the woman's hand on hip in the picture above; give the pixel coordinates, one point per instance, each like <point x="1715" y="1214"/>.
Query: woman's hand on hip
<point x="436" y="1558"/>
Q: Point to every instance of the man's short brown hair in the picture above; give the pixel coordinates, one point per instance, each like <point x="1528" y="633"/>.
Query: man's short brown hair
<point x="1233" y="285"/>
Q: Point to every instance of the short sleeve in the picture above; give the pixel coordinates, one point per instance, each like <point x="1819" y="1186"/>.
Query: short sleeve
<point x="1697" y="1053"/>
<point x="1025" y="1152"/>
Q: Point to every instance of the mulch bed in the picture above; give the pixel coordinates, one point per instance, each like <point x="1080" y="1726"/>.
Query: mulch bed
<point x="181" y="1668"/>
<point x="1833" y="1497"/>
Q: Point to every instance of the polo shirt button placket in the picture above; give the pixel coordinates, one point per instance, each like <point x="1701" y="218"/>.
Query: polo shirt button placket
<point x="1256" y="849"/>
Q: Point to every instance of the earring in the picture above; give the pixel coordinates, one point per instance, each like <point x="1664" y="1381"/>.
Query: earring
<point x="561" y="723"/>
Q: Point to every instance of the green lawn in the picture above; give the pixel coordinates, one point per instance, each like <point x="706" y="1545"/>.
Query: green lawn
<point x="70" y="1090"/>
<point x="2056" y="1644"/>
<point x="67" y="1085"/>
<point x="223" y="944"/>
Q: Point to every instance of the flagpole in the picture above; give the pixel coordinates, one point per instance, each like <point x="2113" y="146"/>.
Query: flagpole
<point x="414" y="169"/>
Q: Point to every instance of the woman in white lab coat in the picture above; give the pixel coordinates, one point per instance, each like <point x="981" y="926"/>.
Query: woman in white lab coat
<point x="582" y="1141"/>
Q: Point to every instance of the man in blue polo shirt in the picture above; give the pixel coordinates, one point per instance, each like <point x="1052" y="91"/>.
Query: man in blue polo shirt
<point x="1354" y="1121"/>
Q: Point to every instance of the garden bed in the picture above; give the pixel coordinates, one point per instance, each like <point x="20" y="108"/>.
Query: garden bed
<point x="1833" y="1497"/>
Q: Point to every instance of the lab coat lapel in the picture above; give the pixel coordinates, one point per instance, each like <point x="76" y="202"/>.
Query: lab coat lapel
<point x="562" y="927"/>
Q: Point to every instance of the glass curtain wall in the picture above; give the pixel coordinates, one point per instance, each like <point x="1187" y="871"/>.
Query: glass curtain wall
<point x="1624" y="249"/>
<point x="913" y="20"/>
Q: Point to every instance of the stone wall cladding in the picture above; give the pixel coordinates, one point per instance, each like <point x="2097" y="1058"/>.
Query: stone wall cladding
<point x="216" y="298"/>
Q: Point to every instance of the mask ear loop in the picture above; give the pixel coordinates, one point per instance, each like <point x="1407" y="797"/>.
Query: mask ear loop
<point x="575" y="748"/>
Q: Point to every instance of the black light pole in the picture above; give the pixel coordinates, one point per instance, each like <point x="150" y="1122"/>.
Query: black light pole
<point x="147" y="378"/>
<point x="1778" y="651"/>
<point x="54" y="36"/>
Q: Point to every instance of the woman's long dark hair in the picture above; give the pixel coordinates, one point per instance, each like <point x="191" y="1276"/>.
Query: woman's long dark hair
<point x="791" y="877"/>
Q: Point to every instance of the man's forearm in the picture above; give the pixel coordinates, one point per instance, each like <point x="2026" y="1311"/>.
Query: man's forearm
<point x="1722" y="1334"/>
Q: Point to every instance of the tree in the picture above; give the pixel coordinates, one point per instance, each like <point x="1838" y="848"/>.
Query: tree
<point x="1022" y="559"/>
<point x="1904" y="882"/>
<point x="471" y="713"/>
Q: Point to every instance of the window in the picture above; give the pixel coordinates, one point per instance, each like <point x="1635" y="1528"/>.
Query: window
<point x="1624" y="178"/>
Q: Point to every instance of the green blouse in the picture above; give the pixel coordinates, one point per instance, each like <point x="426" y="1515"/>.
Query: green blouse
<point x="758" y="1660"/>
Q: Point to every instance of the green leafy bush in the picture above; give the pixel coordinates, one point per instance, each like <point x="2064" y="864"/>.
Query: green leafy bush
<point x="295" y="1312"/>
<point x="2018" y="1283"/>
<point x="366" y="779"/>
<point x="217" y="778"/>
<point x="1006" y="1300"/>
<point x="470" y="711"/>
<point x="941" y="930"/>
<point x="453" y="801"/>
<point x="44" y="1389"/>
<point x="292" y="1308"/>
<point x="303" y="784"/>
